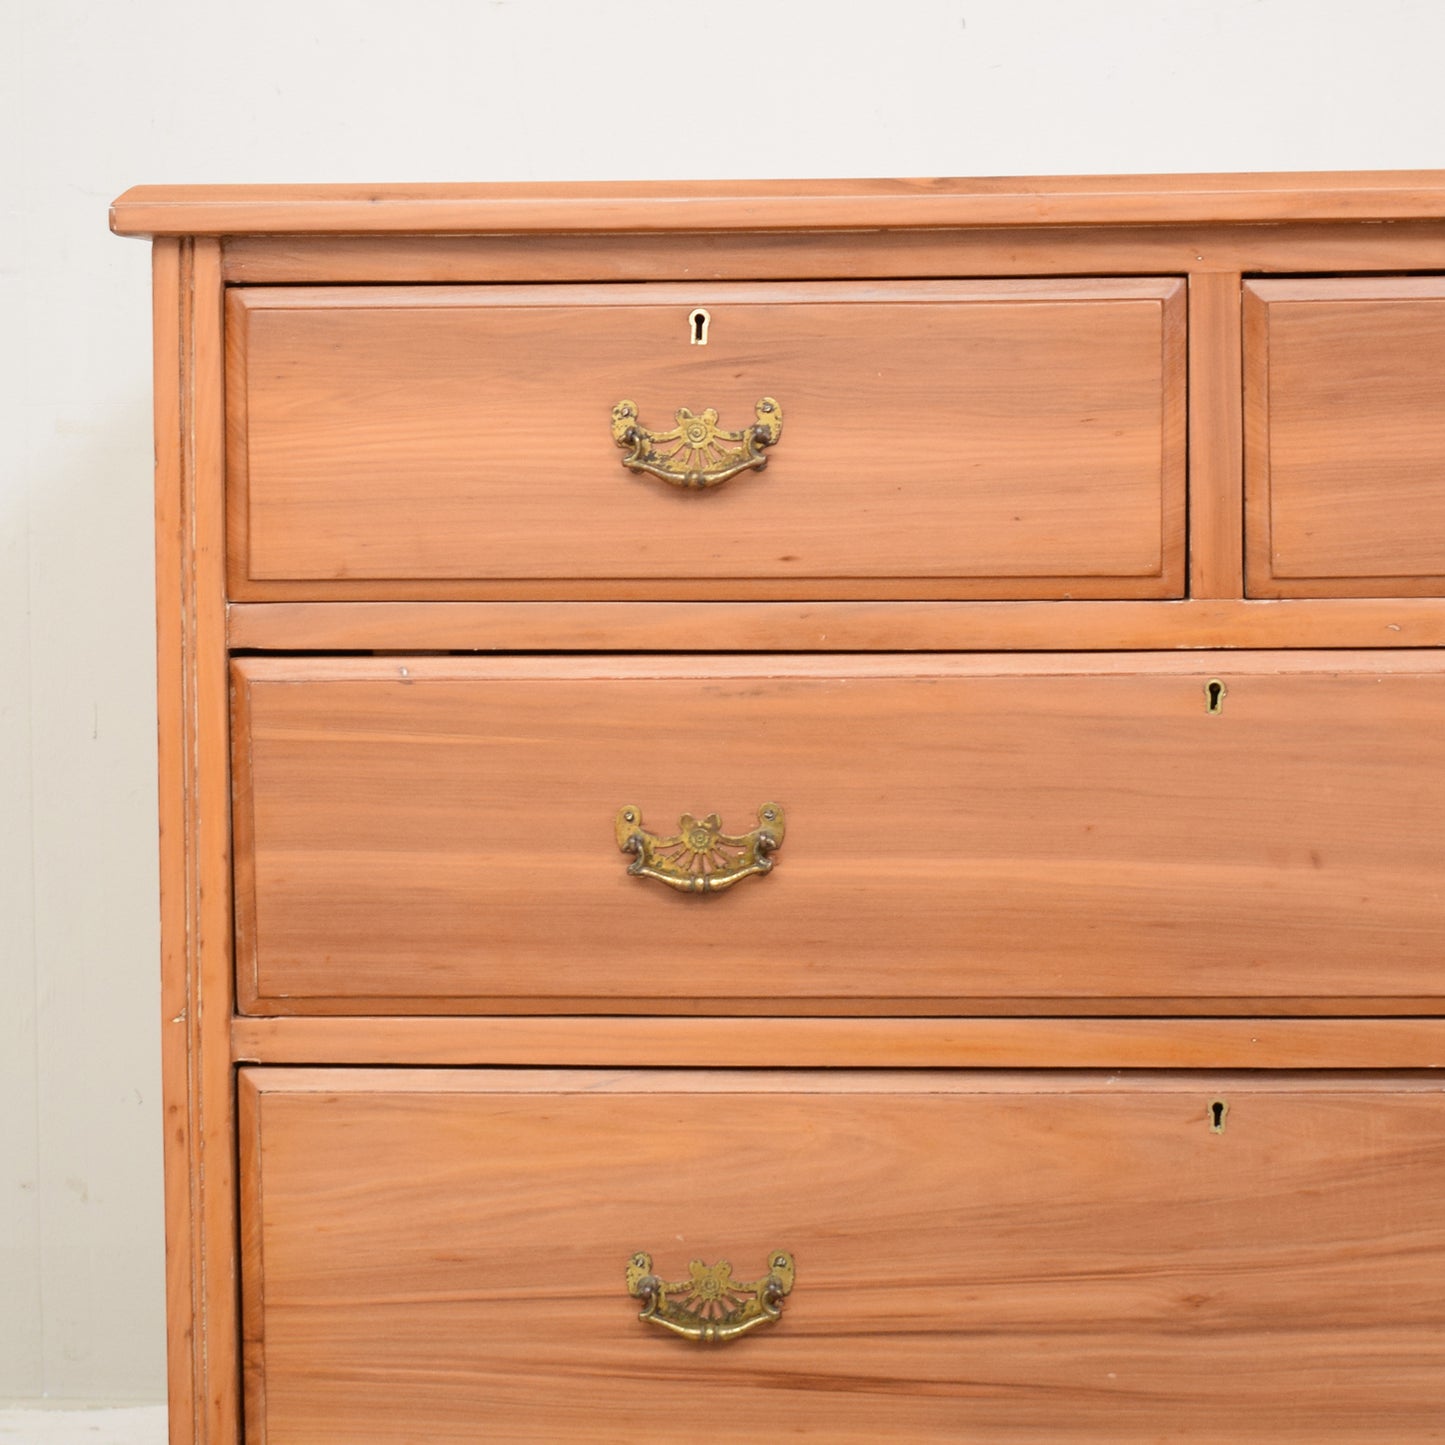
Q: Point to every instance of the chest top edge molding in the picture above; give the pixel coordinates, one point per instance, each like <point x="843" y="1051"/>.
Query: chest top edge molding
<point x="666" y="206"/>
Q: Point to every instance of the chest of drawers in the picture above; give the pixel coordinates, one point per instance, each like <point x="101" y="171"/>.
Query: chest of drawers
<point x="852" y="769"/>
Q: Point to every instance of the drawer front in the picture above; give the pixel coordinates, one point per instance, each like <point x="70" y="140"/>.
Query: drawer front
<point x="440" y="1255"/>
<point x="438" y="835"/>
<point x="1345" y="450"/>
<point x="991" y="439"/>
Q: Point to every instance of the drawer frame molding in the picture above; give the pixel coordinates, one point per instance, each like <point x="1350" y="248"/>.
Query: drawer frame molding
<point x="197" y="988"/>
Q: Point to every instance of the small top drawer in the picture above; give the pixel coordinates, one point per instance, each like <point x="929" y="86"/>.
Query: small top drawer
<point x="940" y="439"/>
<point x="1345" y="436"/>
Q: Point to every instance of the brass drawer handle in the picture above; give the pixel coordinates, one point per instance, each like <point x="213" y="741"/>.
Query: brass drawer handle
<point x="700" y="857"/>
<point x="710" y="1306"/>
<point x="696" y="452"/>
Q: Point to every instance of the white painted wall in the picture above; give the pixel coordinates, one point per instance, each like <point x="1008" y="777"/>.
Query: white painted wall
<point x="100" y="95"/>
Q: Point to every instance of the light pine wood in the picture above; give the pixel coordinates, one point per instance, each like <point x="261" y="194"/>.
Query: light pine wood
<point x="1069" y="1258"/>
<point x="677" y="590"/>
<point x="1023" y="849"/>
<point x="435" y="835"/>
<point x="1216" y="483"/>
<point x="1346" y="442"/>
<point x="512" y="1006"/>
<point x="778" y="204"/>
<point x="195" y="846"/>
<point x="712" y="1043"/>
<point x="171" y="270"/>
<point x="837" y="626"/>
<point x="555" y="1081"/>
<point x="992" y="438"/>
<point x="1175" y="250"/>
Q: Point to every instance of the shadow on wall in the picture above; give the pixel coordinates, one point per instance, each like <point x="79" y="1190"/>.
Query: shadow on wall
<point x="82" y="1264"/>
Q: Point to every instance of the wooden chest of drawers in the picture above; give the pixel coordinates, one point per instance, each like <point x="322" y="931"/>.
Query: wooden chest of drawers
<point x="889" y="734"/>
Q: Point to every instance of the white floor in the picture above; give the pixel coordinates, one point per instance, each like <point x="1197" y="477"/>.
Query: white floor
<point x="134" y="1426"/>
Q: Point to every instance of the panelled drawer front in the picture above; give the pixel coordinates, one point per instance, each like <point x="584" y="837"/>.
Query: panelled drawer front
<point x="992" y="439"/>
<point x="436" y="835"/>
<point x="1345" y="447"/>
<point x="440" y="1255"/>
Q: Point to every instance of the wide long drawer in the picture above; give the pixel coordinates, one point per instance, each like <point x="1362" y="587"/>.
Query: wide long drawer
<point x="1209" y="830"/>
<point x="982" y="438"/>
<point x="443" y="1255"/>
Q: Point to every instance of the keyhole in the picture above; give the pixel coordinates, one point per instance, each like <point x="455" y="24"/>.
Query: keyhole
<point x="1215" y="692"/>
<point x="698" y="324"/>
<point x="1217" y="1111"/>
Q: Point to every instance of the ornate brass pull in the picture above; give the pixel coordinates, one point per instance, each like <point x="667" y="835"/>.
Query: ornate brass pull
<point x="709" y="1306"/>
<point x="700" y="857"/>
<point x="696" y="452"/>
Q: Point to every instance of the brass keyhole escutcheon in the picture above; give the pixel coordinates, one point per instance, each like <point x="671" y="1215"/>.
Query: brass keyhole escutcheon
<point x="1215" y="692"/>
<point x="698" y="323"/>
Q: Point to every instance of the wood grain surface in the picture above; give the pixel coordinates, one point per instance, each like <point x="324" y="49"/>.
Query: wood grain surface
<point x="992" y="438"/>
<point x="1003" y="250"/>
<point x="1346" y="436"/>
<point x="849" y="1043"/>
<point x="1019" y="847"/>
<point x="1216" y="482"/>
<point x="427" y="834"/>
<point x="989" y="1258"/>
<point x="197" y="985"/>
<point x="1269" y="197"/>
<point x="897" y="627"/>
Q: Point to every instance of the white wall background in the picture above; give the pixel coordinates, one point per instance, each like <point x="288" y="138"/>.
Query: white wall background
<point x="100" y="95"/>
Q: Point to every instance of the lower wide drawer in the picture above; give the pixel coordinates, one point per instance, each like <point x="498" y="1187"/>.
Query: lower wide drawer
<point x="439" y="835"/>
<point x="441" y="1256"/>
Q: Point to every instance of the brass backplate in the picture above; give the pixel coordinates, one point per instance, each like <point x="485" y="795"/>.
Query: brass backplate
<point x="700" y="857"/>
<point x="709" y="1306"/>
<point x="696" y="453"/>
